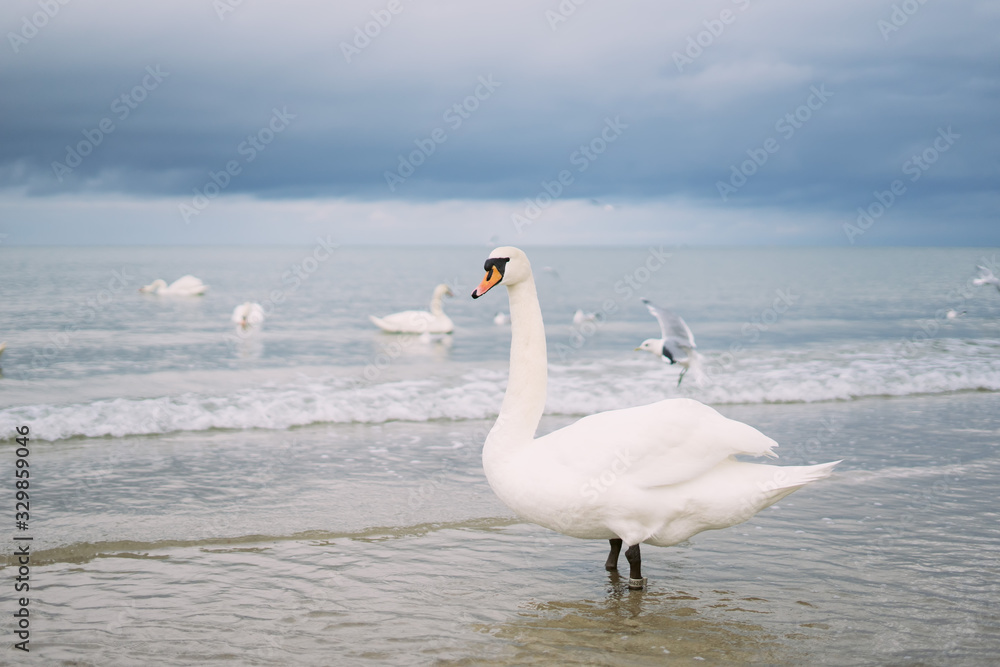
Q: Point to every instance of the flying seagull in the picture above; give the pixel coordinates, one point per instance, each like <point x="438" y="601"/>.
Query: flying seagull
<point x="676" y="343"/>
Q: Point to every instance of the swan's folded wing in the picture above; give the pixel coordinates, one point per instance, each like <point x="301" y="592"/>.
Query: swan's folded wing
<point x="663" y="443"/>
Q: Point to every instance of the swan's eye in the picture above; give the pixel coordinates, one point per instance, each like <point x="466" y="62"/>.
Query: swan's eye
<point x="494" y="267"/>
<point x="498" y="263"/>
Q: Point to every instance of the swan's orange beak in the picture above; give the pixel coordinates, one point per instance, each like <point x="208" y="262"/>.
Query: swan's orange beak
<point x="493" y="276"/>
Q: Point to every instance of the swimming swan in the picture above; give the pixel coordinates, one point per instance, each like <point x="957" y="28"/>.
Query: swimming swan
<point x="656" y="473"/>
<point x="419" y="321"/>
<point x="248" y="315"/>
<point x="183" y="286"/>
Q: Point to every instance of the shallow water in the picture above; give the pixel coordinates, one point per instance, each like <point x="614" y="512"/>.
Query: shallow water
<point x="273" y="501"/>
<point x="894" y="559"/>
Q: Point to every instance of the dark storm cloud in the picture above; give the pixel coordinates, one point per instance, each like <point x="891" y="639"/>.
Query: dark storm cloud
<point x="828" y="103"/>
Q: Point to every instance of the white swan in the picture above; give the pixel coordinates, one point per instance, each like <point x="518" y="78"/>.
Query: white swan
<point x="656" y="473"/>
<point x="579" y="317"/>
<point x="676" y="342"/>
<point x="419" y="321"/>
<point x="183" y="286"/>
<point x="501" y="319"/>
<point x="248" y="315"/>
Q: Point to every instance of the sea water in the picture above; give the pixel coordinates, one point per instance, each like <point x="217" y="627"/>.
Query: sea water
<point x="312" y="492"/>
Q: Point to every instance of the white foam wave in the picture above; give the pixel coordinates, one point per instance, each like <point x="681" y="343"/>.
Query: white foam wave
<point x="803" y="375"/>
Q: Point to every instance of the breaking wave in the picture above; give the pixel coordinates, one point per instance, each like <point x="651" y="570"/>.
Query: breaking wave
<point x="820" y="373"/>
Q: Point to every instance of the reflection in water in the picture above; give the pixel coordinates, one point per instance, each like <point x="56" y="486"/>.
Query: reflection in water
<point x="641" y="627"/>
<point x="248" y="344"/>
<point x="434" y="347"/>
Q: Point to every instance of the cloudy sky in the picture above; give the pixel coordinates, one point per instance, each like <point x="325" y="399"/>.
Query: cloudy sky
<point x="432" y="121"/>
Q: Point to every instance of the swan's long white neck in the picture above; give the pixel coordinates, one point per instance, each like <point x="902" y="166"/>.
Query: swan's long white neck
<point x="436" y="308"/>
<point x="524" y="401"/>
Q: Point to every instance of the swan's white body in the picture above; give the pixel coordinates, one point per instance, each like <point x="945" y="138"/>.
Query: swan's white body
<point x="579" y="317"/>
<point x="183" y="286"/>
<point x="986" y="277"/>
<point x="248" y="315"/>
<point x="654" y="474"/>
<point x="419" y="321"/>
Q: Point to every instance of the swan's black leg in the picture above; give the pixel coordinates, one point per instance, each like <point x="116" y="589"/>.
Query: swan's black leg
<point x="635" y="578"/>
<point x="681" y="378"/>
<point x="616" y="548"/>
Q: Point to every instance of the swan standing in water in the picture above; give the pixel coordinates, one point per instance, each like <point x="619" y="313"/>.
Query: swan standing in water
<point x="676" y="342"/>
<point x="656" y="473"/>
<point x="419" y="321"/>
<point x="183" y="286"/>
<point x="248" y="315"/>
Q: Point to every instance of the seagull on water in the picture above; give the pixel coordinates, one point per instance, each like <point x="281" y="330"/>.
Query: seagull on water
<point x="986" y="277"/>
<point x="676" y="343"/>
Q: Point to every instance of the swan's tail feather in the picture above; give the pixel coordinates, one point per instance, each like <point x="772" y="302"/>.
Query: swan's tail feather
<point x="802" y="475"/>
<point x="774" y="483"/>
<point x="379" y="322"/>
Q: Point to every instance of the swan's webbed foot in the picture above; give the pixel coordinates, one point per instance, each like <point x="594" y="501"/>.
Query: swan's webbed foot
<point x="616" y="548"/>
<point x="635" y="579"/>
